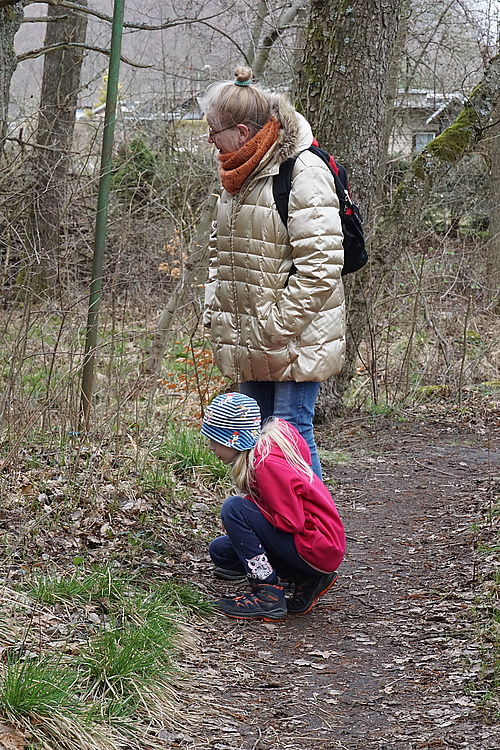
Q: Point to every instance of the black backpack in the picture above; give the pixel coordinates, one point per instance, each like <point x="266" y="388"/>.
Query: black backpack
<point x="355" y="255"/>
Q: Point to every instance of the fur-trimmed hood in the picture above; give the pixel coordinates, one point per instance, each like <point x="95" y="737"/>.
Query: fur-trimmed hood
<point x="295" y="132"/>
<point x="295" y="135"/>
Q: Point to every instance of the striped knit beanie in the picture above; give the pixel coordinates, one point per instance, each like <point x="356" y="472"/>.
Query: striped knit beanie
<point x="233" y="419"/>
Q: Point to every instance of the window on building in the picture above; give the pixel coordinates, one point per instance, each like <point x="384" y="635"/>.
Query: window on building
<point x="420" y="140"/>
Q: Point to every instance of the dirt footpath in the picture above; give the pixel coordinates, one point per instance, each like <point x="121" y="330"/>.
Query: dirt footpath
<point x="388" y="658"/>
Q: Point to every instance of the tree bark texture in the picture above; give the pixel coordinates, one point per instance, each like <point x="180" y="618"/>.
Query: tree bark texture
<point x="493" y="246"/>
<point x="343" y="89"/>
<point x="56" y="121"/>
<point x="391" y="96"/>
<point x="343" y="85"/>
<point x="10" y="21"/>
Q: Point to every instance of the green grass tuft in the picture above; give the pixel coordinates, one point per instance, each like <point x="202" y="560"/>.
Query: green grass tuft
<point x="186" y="450"/>
<point x="184" y="596"/>
<point x="120" y="663"/>
<point x="38" y="688"/>
<point x="102" y="583"/>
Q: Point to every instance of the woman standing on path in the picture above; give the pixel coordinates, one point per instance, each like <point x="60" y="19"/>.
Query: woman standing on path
<point x="274" y="294"/>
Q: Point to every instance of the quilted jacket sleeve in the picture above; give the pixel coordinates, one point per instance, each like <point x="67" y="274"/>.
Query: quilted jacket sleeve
<point x="315" y="235"/>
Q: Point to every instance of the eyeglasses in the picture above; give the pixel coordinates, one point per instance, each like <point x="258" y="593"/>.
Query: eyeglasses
<point x="212" y="133"/>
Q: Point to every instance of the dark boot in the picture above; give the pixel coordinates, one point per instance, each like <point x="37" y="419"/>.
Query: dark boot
<point x="226" y="574"/>
<point x="308" y="589"/>
<point x="264" y="602"/>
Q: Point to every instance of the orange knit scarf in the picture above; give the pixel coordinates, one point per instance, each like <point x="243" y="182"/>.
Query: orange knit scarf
<point x="238" y="165"/>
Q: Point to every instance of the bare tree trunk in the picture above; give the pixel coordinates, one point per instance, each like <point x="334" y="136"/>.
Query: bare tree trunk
<point x="343" y="89"/>
<point x="493" y="246"/>
<point x="260" y="16"/>
<point x="189" y="285"/>
<point x="392" y="93"/>
<point x="10" y="20"/>
<point x="58" y="100"/>
<point x="285" y="20"/>
<point x="343" y="84"/>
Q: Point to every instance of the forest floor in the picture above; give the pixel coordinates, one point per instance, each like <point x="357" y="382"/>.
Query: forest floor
<point x="391" y="656"/>
<point x="403" y="652"/>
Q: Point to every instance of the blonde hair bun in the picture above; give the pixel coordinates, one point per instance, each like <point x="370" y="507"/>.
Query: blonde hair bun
<point x="242" y="75"/>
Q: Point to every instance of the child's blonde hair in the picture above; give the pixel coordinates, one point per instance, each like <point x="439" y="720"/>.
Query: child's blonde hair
<point x="274" y="431"/>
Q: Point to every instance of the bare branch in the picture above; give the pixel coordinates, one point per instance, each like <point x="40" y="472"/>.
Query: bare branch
<point x="42" y="19"/>
<point x="227" y="36"/>
<point x="66" y="45"/>
<point x="205" y="21"/>
<point x="127" y="25"/>
<point x="6" y="3"/>
<point x="261" y="14"/>
<point x="284" y="22"/>
<point x="429" y="40"/>
<point x="22" y="143"/>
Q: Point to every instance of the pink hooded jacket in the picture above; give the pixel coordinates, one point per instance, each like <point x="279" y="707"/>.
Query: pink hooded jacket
<point x="304" y="508"/>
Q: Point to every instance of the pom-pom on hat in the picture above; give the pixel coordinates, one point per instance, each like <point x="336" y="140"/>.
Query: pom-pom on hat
<point x="233" y="419"/>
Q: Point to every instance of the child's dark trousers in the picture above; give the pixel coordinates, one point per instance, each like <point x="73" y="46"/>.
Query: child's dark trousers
<point x="254" y="546"/>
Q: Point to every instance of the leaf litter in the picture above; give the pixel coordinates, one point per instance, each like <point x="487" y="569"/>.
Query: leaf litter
<point x="392" y="657"/>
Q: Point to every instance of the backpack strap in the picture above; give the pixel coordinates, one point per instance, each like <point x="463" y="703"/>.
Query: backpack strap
<point x="282" y="185"/>
<point x="282" y="182"/>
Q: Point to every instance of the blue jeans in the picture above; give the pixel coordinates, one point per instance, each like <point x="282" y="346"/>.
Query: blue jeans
<point x="291" y="401"/>
<point x="254" y="546"/>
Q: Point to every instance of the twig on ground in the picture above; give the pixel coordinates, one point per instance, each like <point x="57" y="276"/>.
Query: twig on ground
<point x="257" y="741"/>
<point x="439" y="471"/>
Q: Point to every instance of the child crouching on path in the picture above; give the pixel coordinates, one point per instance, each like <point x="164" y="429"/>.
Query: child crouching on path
<point x="284" y="524"/>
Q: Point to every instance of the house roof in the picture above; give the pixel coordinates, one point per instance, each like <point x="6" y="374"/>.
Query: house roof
<point x="427" y="99"/>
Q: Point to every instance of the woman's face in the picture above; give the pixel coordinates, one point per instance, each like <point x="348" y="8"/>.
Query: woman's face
<point x="228" y="139"/>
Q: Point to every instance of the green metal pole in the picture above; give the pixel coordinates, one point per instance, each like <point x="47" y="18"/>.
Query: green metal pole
<point x="102" y="214"/>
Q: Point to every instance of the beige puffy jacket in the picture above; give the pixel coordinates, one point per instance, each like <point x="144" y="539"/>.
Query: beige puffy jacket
<point x="265" y="323"/>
